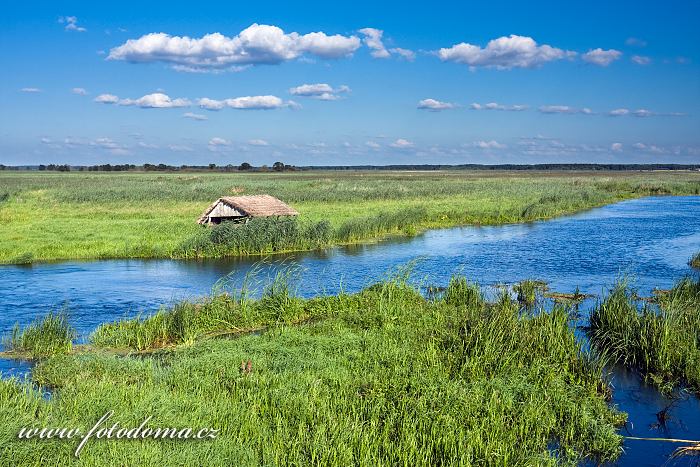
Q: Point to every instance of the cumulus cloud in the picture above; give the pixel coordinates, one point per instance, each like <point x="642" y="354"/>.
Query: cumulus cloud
<point x="616" y="147"/>
<point x="372" y="145"/>
<point x="564" y="109"/>
<point x="504" y="53"/>
<point x="321" y="91"/>
<point x="497" y="106"/>
<point x="194" y="116"/>
<point x="245" y="103"/>
<point x="258" y="142"/>
<point x="71" y="23"/>
<point x="402" y="144"/>
<point x="79" y="91"/>
<point x="257" y="44"/>
<point x="435" y="105"/>
<point x="619" y="112"/>
<point x="641" y="59"/>
<point x="492" y="144"/>
<point x="216" y="141"/>
<point x="373" y="40"/>
<point x="601" y="57"/>
<point x="180" y="148"/>
<point x="406" y="54"/>
<point x="652" y="148"/>
<point x="106" y="99"/>
<point x="31" y="90"/>
<point x="157" y="100"/>
<point x="141" y="144"/>
<point x="643" y="113"/>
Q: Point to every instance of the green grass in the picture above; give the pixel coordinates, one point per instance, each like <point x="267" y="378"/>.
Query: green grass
<point x="694" y="262"/>
<point x="50" y="216"/>
<point x="380" y="377"/>
<point x="46" y="336"/>
<point x="662" y="341"/>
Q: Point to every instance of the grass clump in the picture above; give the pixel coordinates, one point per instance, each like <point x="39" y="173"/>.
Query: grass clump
<point x="527" y="291"/>
<point x="258" y="236"/>
<point x="50" y="335"/>
<point x="694" y="262"/>
<point x="661" y="340"/>
<point x="380" y="377"/>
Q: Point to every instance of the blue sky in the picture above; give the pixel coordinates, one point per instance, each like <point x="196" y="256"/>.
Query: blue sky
<point x="359" y="83"/>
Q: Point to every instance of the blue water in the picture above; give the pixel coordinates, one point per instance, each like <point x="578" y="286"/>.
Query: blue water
<point x="648" y="240"/>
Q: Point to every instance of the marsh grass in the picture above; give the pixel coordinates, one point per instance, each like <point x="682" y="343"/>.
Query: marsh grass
<point x="147" y="215"/>
<point x="661" y="340"/>
<point x="49" y="335"/>
<point x="258" y="236"/>
<point x="694" y="262"/>
<point x="381" y="377"/>
<point x="528" y="291"/>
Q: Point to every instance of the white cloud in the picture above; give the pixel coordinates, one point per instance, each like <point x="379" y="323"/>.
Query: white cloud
<point x="258" y="142"/>
<point x="434" y="105"/>
<point x="601" y="57"/>
<point x="194" y="116"/>
<point x="245" y="103"/>
<point x="406" y="54"/>
<point x="372" y="144"/>
<point x="107" y="99"/>
<point x="71" y="23"/>
<point x="257" y="44"/>
<point x="180" y="148"/>
<point x="616" y="147"/>
<point x="619" y="112"/>
<point x="504" y="53"/>
<point x="564" y="109"/>
<point x="635" y="42"/>
<point x="30" y="90"/>
<point x="643" y="113"/>
<point x="641" y="59"/>
<point x="373" y="40"/>
<point x="216" y="141"/>
<point x="401" y="144"/>
<point x="141" y="144"/>
<point x="492" y="144"/>
<point x="652" y="148"/>
<point x="497" y="106"/>
<point x="157" y="100"/>
<point x="79" y="91"/>
<point x="320" y="91"/>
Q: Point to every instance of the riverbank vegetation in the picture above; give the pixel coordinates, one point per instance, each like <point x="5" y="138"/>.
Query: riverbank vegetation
<point x="383" y="377"/>
<point x="52" y="216"/>
<point x="661" y="340"/>
<point x="694" y="262"/>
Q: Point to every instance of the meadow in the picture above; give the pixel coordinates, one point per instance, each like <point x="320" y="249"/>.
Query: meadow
<point x="384" y="376"/>
<point x="53" y="216"/>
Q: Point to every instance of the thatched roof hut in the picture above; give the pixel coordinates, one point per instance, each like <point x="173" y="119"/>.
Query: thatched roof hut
<point x="240" y="208"/>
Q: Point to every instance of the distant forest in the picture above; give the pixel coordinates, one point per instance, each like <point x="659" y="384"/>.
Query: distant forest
<point x="282" y="167"/>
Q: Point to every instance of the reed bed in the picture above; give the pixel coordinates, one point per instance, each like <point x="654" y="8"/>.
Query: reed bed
<point x="661" y="340"/>
<point x="48" y="216"/>
<point x="382" y="377"/>
<point x="46" y="336"/>
<point x="694" y="262"/>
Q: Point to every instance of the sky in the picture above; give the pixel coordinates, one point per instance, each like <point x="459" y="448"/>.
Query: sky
<point x="312" y="83"/>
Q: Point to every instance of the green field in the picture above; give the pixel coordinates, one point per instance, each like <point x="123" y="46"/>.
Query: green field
<point x="380" y="377"/>
<point x="52" y="216"/>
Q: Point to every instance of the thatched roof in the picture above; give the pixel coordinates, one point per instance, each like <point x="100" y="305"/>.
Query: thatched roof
<point x="253" y="206"/>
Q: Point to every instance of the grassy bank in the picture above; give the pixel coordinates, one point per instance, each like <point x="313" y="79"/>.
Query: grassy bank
<point x="661" y="340"/>
<point x="381" y="377"/>
<point x="49" y="216"/>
